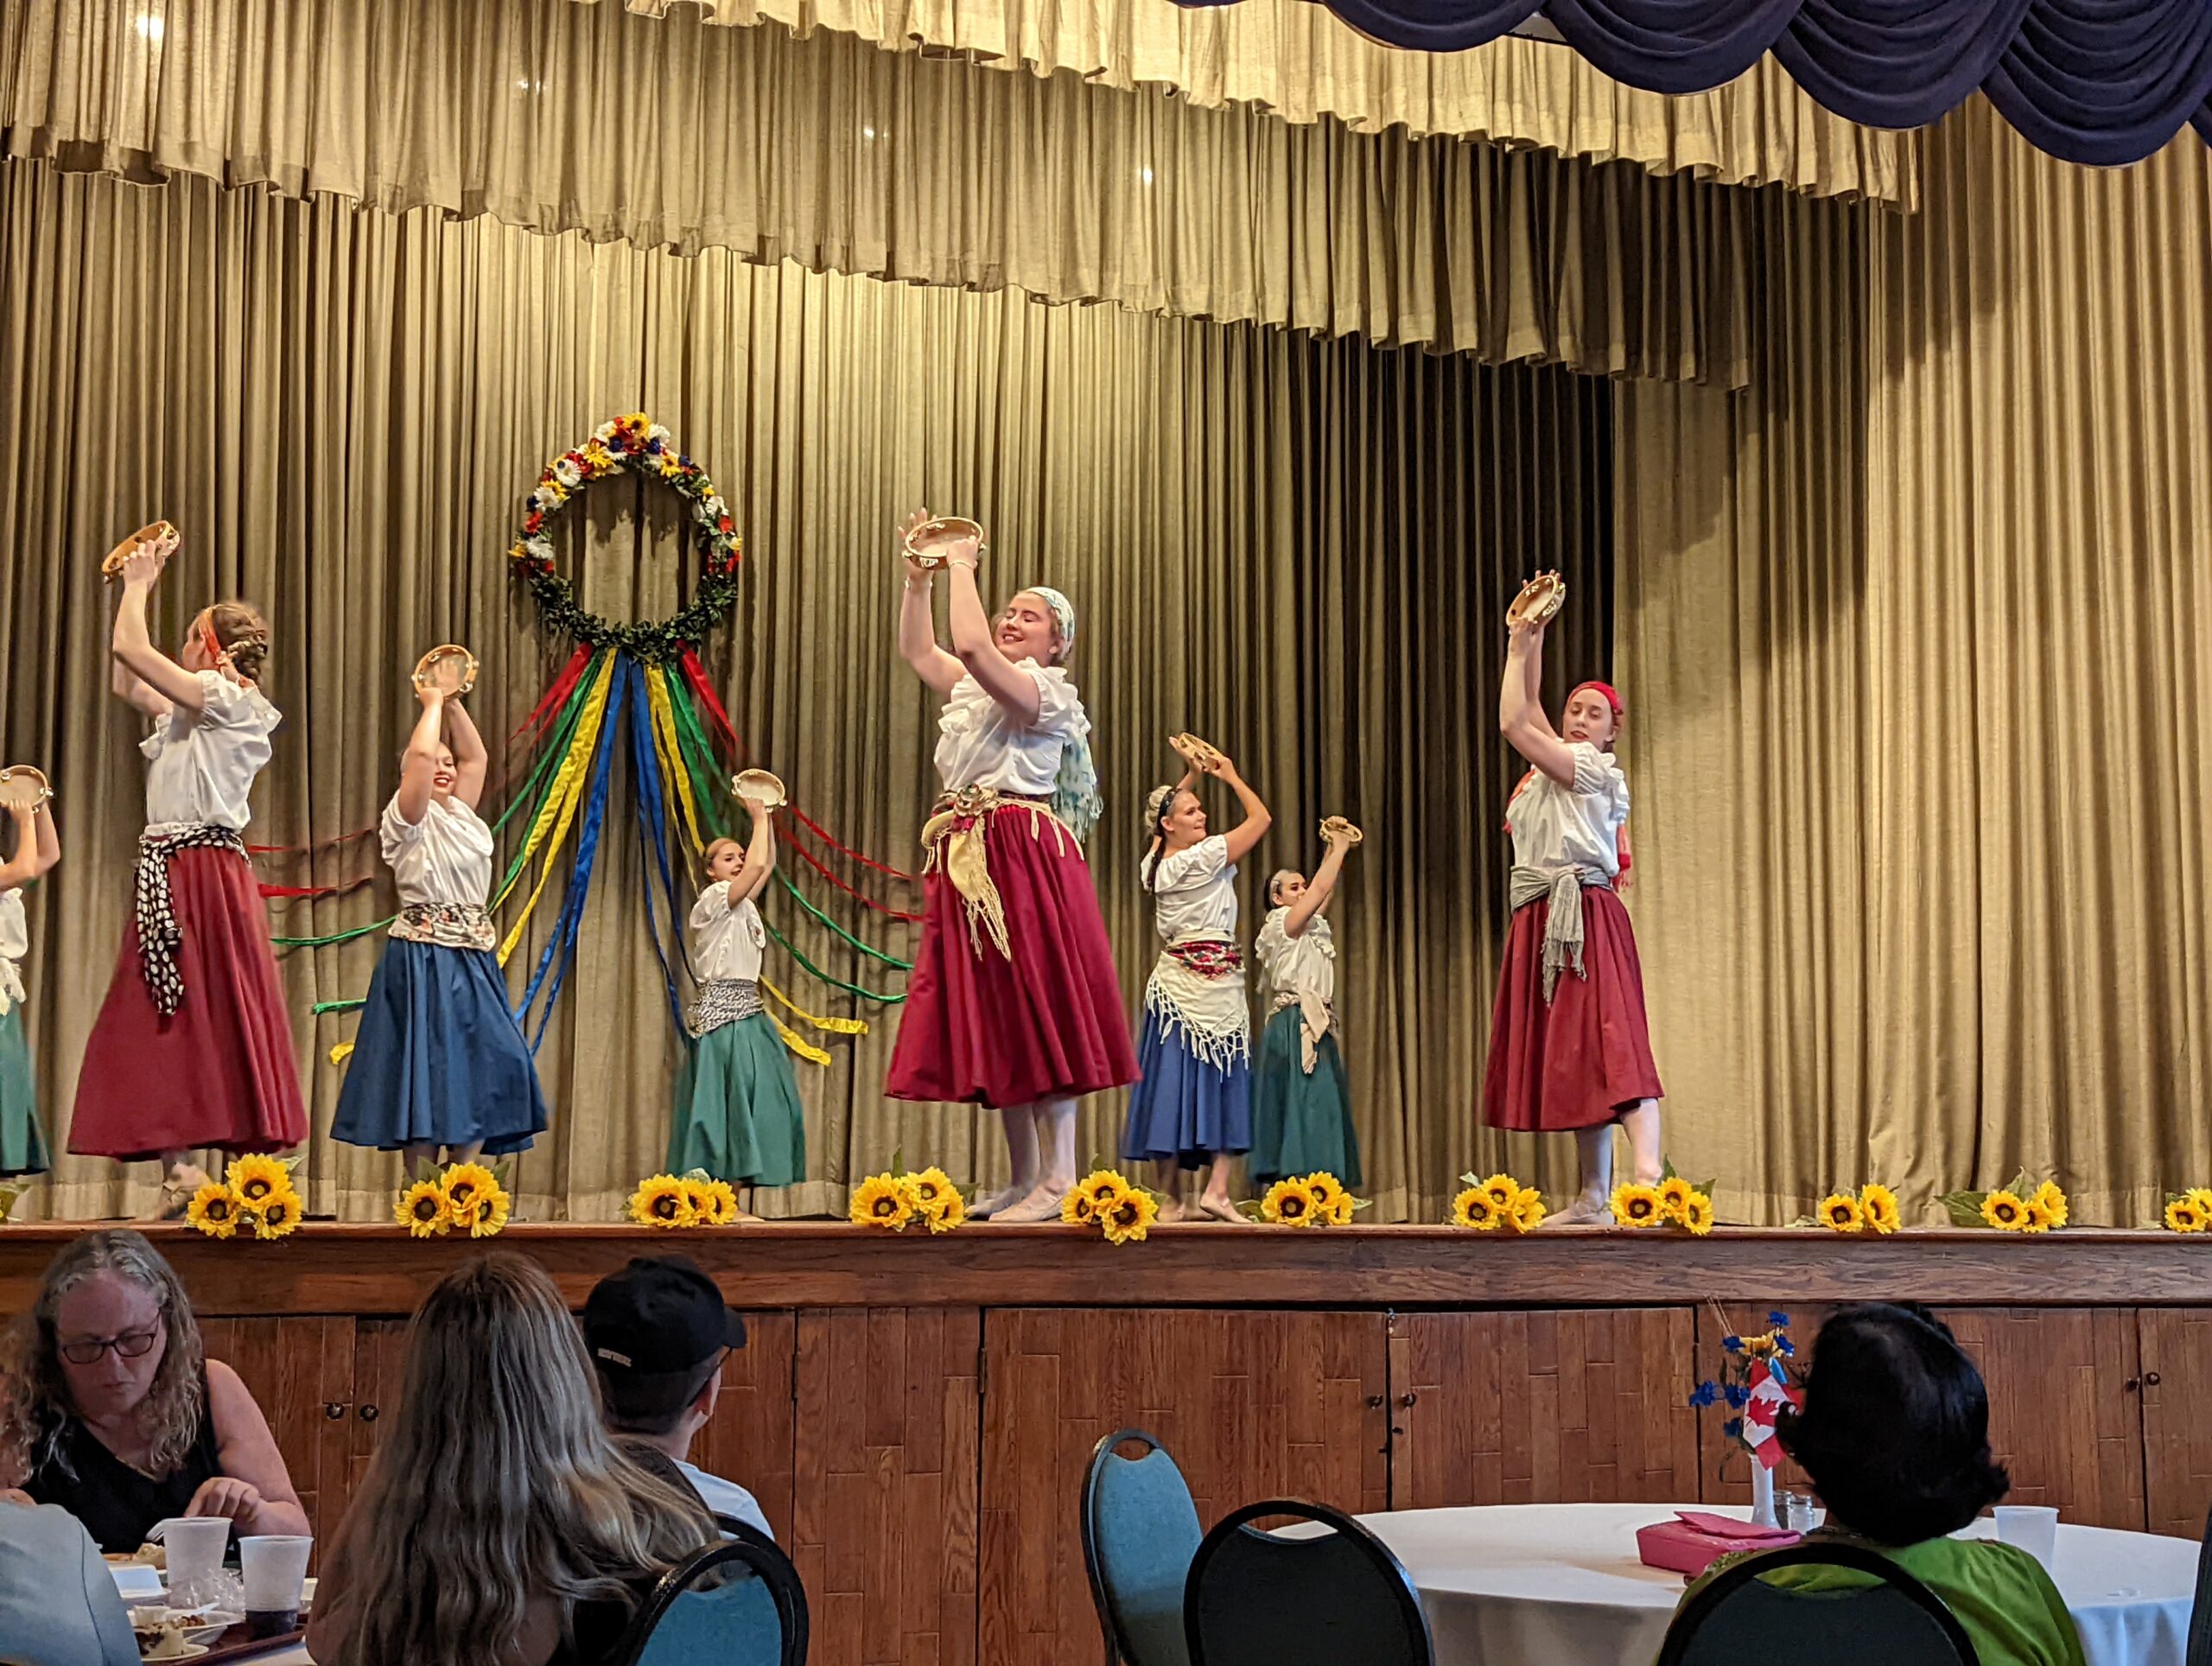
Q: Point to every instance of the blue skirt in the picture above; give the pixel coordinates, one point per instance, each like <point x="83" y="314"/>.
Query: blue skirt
<point x="1185" y="1109"/>
<point x="439" y="1057"/>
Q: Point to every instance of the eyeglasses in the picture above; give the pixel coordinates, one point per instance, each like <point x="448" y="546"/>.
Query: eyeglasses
<point x="131" y="1344"/>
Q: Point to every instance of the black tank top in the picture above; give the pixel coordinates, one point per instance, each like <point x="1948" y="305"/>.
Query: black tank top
<point x="116" y="1503"/>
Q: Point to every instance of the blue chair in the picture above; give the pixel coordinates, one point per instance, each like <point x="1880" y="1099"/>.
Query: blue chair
<point x="1139" y="1531"/>
<point x="739" y="1603"/>
<point x="1892" y="1619"/>
<point x="1262" y="1599"/>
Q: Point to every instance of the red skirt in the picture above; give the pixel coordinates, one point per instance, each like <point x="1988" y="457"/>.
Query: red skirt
<point x="1581" y="1060"/>
<point x="220" y="1071"/>
<point x="1048" y="1023"/>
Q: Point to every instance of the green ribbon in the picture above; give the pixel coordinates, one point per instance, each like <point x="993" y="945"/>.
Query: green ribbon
<point x="799" y="897"/>
<point x="879" y="999"/>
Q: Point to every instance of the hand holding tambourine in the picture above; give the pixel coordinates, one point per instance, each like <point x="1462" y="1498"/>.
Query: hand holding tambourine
<point x="759" y="790"/>
<point x="1335" y="830"/>
<point x="1538" y="603"/>
<point x="1200" y="755"/>
<point x="929" y="542"/>
<point x="140" y="557"/>
<point x="448" y="671"/>
<point x="23" y="788"/>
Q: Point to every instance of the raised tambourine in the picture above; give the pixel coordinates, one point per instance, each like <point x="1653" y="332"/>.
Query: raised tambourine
<point x="1198" y="754"/>
<point x="1540" y="598"/>
<point x="451" y="668"/>
<point x="1337" y="826"/>
<point x="759" y="787"/>
<point x="21" y="783"/>
<point x="928" y="544"/>
<point x="112" y="564"/>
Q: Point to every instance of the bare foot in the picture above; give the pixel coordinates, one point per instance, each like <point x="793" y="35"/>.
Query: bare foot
<point x="1221" y="1209"/>
<point x="1173" y="1210"/>
<point x="176" y="1191"/>
<point x="998" y="1202"/>
<point x="1042" y="1204"/>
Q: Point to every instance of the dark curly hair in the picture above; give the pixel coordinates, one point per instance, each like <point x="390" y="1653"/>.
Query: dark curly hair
<point x="1895" y="1432"/>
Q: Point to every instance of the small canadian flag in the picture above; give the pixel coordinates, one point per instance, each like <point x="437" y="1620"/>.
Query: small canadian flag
<point x="1769" y="1392"/>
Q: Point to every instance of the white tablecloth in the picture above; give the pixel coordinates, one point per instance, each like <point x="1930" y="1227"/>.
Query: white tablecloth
<point x="1558" y="1582"/>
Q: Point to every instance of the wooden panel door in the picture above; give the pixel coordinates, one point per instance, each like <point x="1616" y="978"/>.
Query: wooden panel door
<point x="749" y="1438"/>
<point x="1564" y="1407"/>
<point x="2177" y="1387"/>
<point x="1252" y="1404"/>
<point x="301" y="1373"/>
<point x="883" y="1499"/>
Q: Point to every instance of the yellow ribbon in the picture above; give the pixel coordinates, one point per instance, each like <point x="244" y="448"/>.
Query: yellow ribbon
<point x="798" y="1043"/>
<point x="832" y="1026"/>
<point x="341" y="1053"/>
<point x="671" y="752"/>
<point x="550" y="829"/>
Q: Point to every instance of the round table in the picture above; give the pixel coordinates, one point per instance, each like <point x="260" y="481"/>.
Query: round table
<point x="1563" y="1582"/>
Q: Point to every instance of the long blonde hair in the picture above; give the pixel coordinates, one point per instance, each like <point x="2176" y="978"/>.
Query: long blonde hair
<point x="496" y="1482"/>
<point x="35" y="1404"/>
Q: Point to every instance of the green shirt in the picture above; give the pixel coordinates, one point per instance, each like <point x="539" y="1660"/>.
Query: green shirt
<point x="2011" y="1612"/>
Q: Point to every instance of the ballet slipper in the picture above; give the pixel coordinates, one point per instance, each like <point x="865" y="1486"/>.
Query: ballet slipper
<point x="998" y="1203"/>
<point x="1583" y="1211"/>
<point x="1042" y="1204"/>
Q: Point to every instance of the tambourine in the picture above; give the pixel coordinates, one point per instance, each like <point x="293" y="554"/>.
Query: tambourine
<point x="112" y="564"/>
<point x="927" y="544"/>
<point x="1339" y="827"/>
<point x="450" y="667"/>
<point x="1199" y="754"/>
<point x="759" y="786"/>
<point x="1540" y="598"/>
<point x="21" y="784"/>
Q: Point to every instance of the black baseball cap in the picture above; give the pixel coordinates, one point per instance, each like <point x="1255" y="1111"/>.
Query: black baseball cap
<point x="658" y="1317"/>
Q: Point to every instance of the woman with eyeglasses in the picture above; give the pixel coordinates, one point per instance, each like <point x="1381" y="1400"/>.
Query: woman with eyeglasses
<point x="109" y="1407"/>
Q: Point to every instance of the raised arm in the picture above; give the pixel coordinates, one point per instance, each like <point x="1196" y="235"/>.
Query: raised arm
<point x="759" y="856"/>
<point x="471" y="761"/>
<point x="133" y="647"/>
<point x="918" y="624"/>
<point x="23" y="868"/>
<point x="1520" y="718"/>
<point x="1315" y="897"/>
<point x="420" y="762"/>
<point x="1015" y="689"/>
<point x="1247" y="833"/>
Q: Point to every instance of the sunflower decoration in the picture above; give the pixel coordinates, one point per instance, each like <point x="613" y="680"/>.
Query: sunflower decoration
<point x="881" y="1200"/>
<point x="722" y="1203"/>
<point x="1328" y="1203"/>
<point x="2003" y="1210"/>
<point x="1122" y="1210"/>
<point x="1879" y="1205"/>
<point x="488" y="1215"/>
<point x="1129" y="1217"/>
<point x="1527" y="1210"/>
<point x="2019" y="1207"/>
<point x="1475" y="1210"/>
<point x="464" y="1183"/>
<point x="215" y="1210"/>
<point x="2184" y="1213"/>
<point x="1502" y="1190"/>
<point x="1077" y="1207"/>
<point x="1639" y="1205"/>
<point x="276" y="1216"/>
<point x="1673" y="1193"/>
<point x="937" y="1200"/>
<point x="423" y="1211"/>
<point x="698" y="1194"/>
<point x="254" y="1179"/>
<point x="1841" y="1213"/>
<point x="1288" y="1203"/>
<point x="1696" y="1215"/>
<point x="1103" y="1186"/>
<point x="2051" y="1201"/>
<point x="663" y="1201"/>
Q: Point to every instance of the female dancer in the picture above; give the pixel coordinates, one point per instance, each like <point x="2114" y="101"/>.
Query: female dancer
<point x="192" y="1046"/>
<point x="38" y="846"/>
<point x="1013" y="1003"/>
<point x="1571" y="1052"/>
<point x="440" y="1063"/>
<point x="1301" y="1105"/>
<point x="1193" y="1107"/>
<point x="737" y="1107"/>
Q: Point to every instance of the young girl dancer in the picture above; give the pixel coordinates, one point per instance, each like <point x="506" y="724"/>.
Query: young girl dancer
<point x="192" y="1046"/>
<point x="38" y="846"/>
<point x="1570" y="1047"/>
<point x="1193" y="1107"/>
<point x="1301" y="1105"/>
<point x="1013" y="1003"/>
<point x="737" y="1107"/>
<point x="440" y="1067"/>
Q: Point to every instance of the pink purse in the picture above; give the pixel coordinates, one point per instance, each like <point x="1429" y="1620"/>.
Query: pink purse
<point x="1694" y="1540"/>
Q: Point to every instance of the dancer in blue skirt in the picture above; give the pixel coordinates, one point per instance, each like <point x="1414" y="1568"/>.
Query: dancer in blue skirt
<point x="440" y="1063"/>
<point x="1193" y="1107"/>
<point x="38" y="846"/>
<point x="737" y="1107"/>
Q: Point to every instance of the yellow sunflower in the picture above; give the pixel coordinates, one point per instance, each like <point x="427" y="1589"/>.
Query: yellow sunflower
<point x="1503" y="1193"/>
<point x="1288" y="1204"/>
<point x="2005" y="1212"/>
<point x="701" y="1200"/>
<point x="462" y="1181"/>
<point x="722" y="1203"/>
<point x="213" y="1210"/>
<point x="1879" y="1205"/>
<point x="2182" y="1214"/>
<point x="660" y="1201"/>
<point x="1527" y="1210"/>
<point x="1324" y="1189"/>
<point x="1639" y="1205"/>
<point x="276" y="1215"/>
<point x="2201" y="1196"/>
<point x="948" y="1211"/>
<point x="1841" y="1213"/>
<point x="1474" y="1209"/>
<point x="1342" y="1210"/>
<point x="1129" y="1217"/>
<point x="928" y="1190"/>
<point x="2037" y="1217"/>
<point x="881" y="1201"/>
<point x="464" y="1214"/>
<point x="1697" y="1213"/>
<point x="423" y="1211"/>
<point x="1103" y="1186"/>
<point x="1076" y="1209"/>
<point x="256" y="1178"/>
<point x="2051" y="1201"/>
<point x="1673" y="1193"/>
<point x="490" y="1216"/>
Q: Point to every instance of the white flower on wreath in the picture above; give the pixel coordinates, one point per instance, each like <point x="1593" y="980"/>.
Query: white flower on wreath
<point x="540" y="547"/>
<point x="567" y="473"/>
<point x="603" y="433"/>
<point x="713" y="507"/>
<point x="657" y="432"/>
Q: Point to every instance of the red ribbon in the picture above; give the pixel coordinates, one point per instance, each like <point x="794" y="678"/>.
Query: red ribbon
<point x="303" y="850"/>
<point x="813" y="861"/>
<point x="557" y="696"/>
<point x="843" y="850"/>
<point x="696" y="675"/>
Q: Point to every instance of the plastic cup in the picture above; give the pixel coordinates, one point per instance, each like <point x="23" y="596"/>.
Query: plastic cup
<point x="194" y="1546"/>
<point x="2033" y="1528"/>
<point x="274" y="1569"/>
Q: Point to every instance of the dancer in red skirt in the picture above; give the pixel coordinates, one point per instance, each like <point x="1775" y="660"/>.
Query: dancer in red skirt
<point x="192" y="1048"/>
<point x="1014" y="1002"/>
<point x="1570" y="1048"/>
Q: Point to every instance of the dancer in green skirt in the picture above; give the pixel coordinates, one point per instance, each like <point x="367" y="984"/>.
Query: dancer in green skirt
<point x="38" y="846"/>
<point x="737" y="1106"/>
<point x="1301" y="1104"/>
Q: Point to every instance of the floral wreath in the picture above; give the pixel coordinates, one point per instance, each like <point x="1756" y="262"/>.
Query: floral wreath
<point x="642" y="447"/>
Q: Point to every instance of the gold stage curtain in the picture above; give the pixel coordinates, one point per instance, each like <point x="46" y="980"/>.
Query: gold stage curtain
<point x="1919" y="628"/>
<point x="841" y="158"/>
<point x="1300" y="62"/>
<point x="1298" y="547"/>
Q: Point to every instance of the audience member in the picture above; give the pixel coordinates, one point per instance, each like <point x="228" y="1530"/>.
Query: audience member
<point x="109" y="1407"/>
<point x="58" y="1603"/>
<point x="658" y="1333"/>
<point x="497" y="1521"/>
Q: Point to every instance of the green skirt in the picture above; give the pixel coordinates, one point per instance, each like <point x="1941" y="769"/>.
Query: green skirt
<point x="737" y="1109"/>
<point x="23" y="1141"/>
<point x="1300" y="1123"/>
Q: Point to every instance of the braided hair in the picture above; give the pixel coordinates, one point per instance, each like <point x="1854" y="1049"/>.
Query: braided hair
<point x="243" y="633"/>
<point x="1159" y="804"/>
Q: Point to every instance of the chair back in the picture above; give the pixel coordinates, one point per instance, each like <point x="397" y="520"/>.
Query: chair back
<point x="1139" y="1531"/>
<point x="1892" y="1617"/>
<point x="738" y="1603"/>
<point x="2200" y="1618"/>
<point x="1262" y="1598"/>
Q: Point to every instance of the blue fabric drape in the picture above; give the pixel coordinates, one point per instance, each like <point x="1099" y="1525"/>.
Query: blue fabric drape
<point x="1896" y="63"/>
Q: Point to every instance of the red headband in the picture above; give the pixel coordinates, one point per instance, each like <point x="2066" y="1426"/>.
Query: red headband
<point x="1612" y="696"/>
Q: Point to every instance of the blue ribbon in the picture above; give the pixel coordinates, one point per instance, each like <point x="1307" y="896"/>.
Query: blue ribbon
<point x="561" y="947"/>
